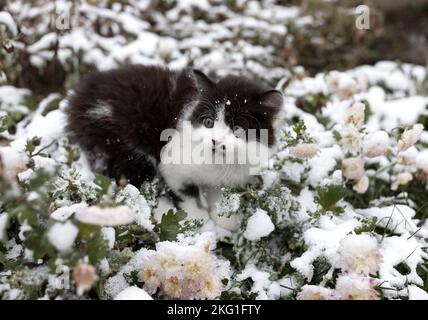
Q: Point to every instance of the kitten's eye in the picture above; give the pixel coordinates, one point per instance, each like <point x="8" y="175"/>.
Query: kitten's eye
<point x="238" y="131"/>
<point x="208" y="122"/>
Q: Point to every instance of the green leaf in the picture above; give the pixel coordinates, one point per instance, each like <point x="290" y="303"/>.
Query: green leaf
<point x="104" y="183"/>
<point x="336" y="135"/>
<point x="327" y="197"/>
<point x="170" y="225"/>
<point x="97" y="248"/>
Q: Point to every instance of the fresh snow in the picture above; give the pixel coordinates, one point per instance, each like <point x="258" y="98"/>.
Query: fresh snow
<point x="259" y="225"/>
<point x="62" y="235"/>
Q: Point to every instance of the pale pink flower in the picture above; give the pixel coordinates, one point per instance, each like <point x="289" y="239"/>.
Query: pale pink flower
<point x="84" y="276"/>
<point x="410" y="137"/>
<point x="311" y="292"/>
<point x="305" y="150"/>
<point x="408" y="157"/>
<point x="362" y="185"/>
<point x="351" y="140"/>
<point x="376" y="144"/>
<point x="343" y="85"/>
<point x="401" y="180"/>
<point x="356" y="287"/>
<point x="353" y="168"/>
<point x="359" y="254"/>
<point x="355" y="115"/>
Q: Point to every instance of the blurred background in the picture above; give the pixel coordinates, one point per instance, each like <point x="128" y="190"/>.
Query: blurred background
<point x="47" y="45"/>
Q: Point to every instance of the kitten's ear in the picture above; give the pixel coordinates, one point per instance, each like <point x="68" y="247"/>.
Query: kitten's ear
<point x="202" y="81"/>
<point x="272" y="98"/>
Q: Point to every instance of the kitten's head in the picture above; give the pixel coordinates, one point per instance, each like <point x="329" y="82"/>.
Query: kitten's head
<point x="235" y="112"/>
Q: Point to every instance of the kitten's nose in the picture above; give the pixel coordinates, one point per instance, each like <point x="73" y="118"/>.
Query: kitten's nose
<point x="216" y="143"/>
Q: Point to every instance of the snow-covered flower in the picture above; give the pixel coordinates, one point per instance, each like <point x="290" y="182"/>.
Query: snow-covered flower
<point x="422" y="163"/>
<point x="351" y="140"/>
<point x="362" y="185"/>
<point x="401" y="180"/>
<point x="343" y="85"/>
<point x="305" y="150"/>
<point x="359" y="254"/>
<point x="355" y="287"/>
<point x="410" y="137"/>
<point x="408" y="157"/>
<point x="311" y="292"/>
<point x="108" y="216"/>
<point x="84" y="276"/>
<point x="354" y="115"/>
<point x="183" y="271"/>
<point x="353" y="168"/>
<point x="11" y="163"/>
<point x="376" y="144"/>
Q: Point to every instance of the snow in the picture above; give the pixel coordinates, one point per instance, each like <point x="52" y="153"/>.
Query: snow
<point x="65" y="212"/>
<point x="323" y="164"/>
<point x="62" y="235"/>
<point x="109" y="216"/>
<point x="133" y="293"/>
<point x="3" y="224"/>
<point x="397" y="218"/>
<point x="259" y="225"/>
<point x="325" y="241"/>
<point x="7" y="20"/>
<point x="131" y="197"/>
<point x="109" y="234"/>
<point x="416" y="293"/>
<point x="396" y="250"/>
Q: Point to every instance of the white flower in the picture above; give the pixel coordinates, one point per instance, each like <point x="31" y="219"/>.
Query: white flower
<point x="109" y="216"/>
<point x="408" y="157"/>
<point x="310" y="292"/>
<point x="401" y="180"/>
<point x="376" y="144"/>
<point x="343" y="85"/>
<point x="362" y="185"/>
<point x="353" y="168"/>
<point x="333" y="80"/>
<point x="355" y="287"/>
<point x="184" y="271"/>
<point x="84" y="276"/>
<point x="354" y="115"/>
<point x="422" y="163"/>
<point x="11" y="163"/>
<point x="410" y="137"/>
<point x="305" y="150"/>
<point x="351" y="140"/>
<point x="359" y="254"/>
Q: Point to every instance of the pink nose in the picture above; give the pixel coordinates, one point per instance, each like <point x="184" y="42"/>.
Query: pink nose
<point x="215" y="143"/>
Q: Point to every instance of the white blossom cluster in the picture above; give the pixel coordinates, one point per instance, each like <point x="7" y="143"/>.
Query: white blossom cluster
<point x="184" y="271"/>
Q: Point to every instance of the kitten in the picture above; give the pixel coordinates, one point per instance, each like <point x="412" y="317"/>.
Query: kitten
<point x="135" y="117"/>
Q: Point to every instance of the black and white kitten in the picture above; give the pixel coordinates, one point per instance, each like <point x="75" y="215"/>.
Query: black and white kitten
<point x="121" y="116"/>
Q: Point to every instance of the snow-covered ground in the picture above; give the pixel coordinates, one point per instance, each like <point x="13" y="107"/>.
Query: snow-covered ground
<point x="339" y="212"/>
